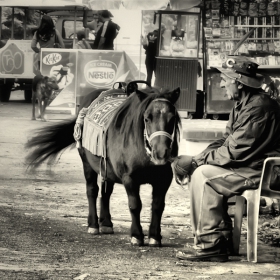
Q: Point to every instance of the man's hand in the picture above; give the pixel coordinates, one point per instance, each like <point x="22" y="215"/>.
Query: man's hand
<point x="184" y="166"/>
<point x="152" y="37"/>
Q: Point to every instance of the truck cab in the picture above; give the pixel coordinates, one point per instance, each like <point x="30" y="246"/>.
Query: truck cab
<point x="68" y="24"/>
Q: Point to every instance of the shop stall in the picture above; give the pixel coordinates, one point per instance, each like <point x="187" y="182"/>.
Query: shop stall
<point x="225" y="24"/>
<point x="177" y="61"/>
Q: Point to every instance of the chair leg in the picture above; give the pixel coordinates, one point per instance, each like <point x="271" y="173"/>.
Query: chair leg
<point x="238" y="215"/>
<point x="253" y="198"/>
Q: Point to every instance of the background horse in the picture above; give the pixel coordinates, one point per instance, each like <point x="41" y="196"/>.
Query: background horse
<point x="132" y="158"/>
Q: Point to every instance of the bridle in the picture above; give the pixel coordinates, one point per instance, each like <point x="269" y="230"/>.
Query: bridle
<point x="148" y="139"/>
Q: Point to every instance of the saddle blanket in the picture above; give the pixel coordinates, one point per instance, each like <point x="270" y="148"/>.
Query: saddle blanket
<point x="98" y="118"/>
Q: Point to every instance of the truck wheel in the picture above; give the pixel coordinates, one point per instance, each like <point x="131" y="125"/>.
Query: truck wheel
<point x="5" y="92"/>
<point x="28" y="95"/>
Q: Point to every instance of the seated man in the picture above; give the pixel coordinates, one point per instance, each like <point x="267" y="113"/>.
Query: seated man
<point x="232" y="164"/>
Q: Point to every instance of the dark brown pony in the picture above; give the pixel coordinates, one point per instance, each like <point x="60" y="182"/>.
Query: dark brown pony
<point x="132" y="158"/>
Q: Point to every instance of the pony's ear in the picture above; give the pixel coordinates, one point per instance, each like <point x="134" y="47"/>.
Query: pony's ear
<point x="173" y="95"/>
<point x="141" y="95"/>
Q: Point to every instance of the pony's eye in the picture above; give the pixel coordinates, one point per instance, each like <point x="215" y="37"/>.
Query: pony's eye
<point x="148" y="118"/>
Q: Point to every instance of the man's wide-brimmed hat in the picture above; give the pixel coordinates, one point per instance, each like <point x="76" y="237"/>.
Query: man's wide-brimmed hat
<point x="243" y="70"/>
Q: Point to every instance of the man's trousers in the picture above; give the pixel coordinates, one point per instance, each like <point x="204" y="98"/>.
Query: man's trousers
<point x="210" y="188"/>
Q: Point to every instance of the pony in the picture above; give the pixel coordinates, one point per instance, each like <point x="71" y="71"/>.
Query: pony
<point x="142" y="141"/>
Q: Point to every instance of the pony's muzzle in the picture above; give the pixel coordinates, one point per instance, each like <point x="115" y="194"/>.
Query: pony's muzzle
<point x="159" y="146"/>
<point x="161" y="153"/>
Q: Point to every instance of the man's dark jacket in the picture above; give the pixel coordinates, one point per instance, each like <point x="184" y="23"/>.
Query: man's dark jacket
<point x="252" y="134"/>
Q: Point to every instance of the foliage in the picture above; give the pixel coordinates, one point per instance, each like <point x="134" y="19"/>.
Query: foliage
<point x="32" y="19"/>
<point x="269" y="232"/>
<point x="148" y="22"/>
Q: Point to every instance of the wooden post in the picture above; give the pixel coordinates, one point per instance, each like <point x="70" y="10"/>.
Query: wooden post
<point x="24" y="24"/>
<point x="12" y="29"/>
<point x="75" y="29"/>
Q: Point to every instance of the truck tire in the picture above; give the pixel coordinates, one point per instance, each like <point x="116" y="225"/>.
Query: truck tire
<point x="28" y="95"/>
<point x="5" y="92"/>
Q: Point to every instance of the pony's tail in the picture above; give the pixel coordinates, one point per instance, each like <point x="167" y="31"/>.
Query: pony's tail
<point x="48" y="142"/>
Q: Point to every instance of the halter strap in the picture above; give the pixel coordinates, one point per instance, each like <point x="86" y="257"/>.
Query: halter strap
<point x="158" y="133"/>
<point x="162" y="99"/>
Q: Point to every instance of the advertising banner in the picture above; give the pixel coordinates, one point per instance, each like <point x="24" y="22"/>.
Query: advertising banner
<point x="62" y="64"/>
<point x="101" y="69"/>
<point x="79" y="72"/>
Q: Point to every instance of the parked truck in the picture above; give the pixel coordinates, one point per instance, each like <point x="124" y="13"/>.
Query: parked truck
<point x="18" y="62"/>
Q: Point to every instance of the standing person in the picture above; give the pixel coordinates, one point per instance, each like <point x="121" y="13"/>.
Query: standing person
<point x="233" y="164"/>
<point x="107" y="33"/>
<point x="82" y="43"/>
<point x="46" y="35"/>
<point x="93" y="25"/>
<point x="150" y="45"/>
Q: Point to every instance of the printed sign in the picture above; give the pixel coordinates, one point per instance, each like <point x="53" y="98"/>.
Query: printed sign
<point x="100" y="73"/>
<point x="80" y="72"/>
<point x="61" y="64"/>
<point x="52" y="58"/>
<point x="101" y="69"/>
<point x="17" y="59"/>
<point x="12" y="60"/>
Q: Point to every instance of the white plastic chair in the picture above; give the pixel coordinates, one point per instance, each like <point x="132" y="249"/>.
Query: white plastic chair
<point x="253" y="204"/>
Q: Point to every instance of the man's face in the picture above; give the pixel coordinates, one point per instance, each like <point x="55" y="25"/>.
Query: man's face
<point x="96" y="16"/>
<point x="229" y="85"/>
<point x="100" y="18"/>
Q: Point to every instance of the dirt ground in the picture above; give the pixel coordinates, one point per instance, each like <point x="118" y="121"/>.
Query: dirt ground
<point x="43" y="222"/>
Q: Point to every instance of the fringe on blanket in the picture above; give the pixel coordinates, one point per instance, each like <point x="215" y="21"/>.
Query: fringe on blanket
<point x="78" y="127"/>
<point x="93" y="138"/>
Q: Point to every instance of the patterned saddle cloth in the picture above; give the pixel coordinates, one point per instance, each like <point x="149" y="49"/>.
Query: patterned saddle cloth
<point x="98" y="118"/>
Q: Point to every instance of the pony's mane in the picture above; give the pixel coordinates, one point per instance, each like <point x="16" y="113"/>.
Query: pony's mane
<point x="129" y="117"/>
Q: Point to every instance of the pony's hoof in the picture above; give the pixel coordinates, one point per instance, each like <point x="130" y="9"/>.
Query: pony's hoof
<point x="154" y="243"/>
<point x="136" y="242"/>
<point x="93" y="231"/>
<point x="106" y="230"/>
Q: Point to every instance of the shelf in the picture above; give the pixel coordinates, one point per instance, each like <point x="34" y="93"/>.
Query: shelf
<point x="177" y="58"/>
<point x="269" y="67"/>
<point x="263" y="26"/>
<point x="260" y="67"/>
<point x="238" y="39"/>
